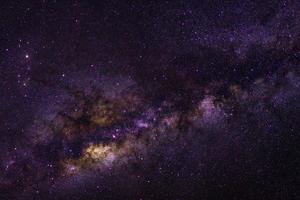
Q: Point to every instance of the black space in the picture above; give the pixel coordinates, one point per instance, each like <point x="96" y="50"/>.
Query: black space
<point x="149" y="99"/>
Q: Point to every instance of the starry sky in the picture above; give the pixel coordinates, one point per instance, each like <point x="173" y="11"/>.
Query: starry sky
<point x="149" y="99"/>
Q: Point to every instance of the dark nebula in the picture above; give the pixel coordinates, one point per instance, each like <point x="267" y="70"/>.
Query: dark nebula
<point x="150" y="100"/>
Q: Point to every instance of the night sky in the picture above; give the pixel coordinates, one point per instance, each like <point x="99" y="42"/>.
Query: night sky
<point x="171" y="100"/>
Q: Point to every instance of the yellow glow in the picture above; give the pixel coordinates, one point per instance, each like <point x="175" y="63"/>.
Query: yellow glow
<point x="97" y="152"/>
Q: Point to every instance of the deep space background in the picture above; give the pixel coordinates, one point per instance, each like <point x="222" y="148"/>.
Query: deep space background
<point x="149" y="99"/>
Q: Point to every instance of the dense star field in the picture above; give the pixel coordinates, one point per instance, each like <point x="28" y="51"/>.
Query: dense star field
<point x="171" y="100"/>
